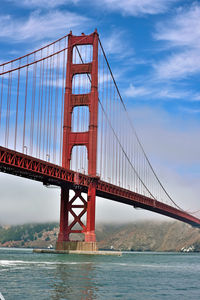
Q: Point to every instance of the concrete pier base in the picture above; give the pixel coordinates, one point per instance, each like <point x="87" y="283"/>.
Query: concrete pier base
<point x="100" y="252"/>
<point x="76" y="246"/>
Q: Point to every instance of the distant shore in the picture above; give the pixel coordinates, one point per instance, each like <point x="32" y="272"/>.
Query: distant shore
<point x="139" y="236"/>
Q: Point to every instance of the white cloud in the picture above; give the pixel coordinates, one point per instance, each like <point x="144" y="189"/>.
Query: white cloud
<point x="197" y="97"/>
<point x="183" y="35"/>
<point x="135" y="7"/>
<point x="133" y="91"/>
<point x="191" y="110"/>
<point x="169" y="93"/>
<point x="116" y="44"/>
<point x="155" y="92"/>
<point x="179" y="65"/>
<point x="43" y="3"/>
<point x="40" y="26"/>
<point x="183" y="29"/>
<point x="126" y="7"/>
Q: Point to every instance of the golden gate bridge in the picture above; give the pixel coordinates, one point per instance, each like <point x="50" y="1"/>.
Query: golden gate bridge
<point x="63" y="122"/>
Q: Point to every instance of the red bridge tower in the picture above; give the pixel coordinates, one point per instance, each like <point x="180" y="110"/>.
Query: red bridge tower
<point x="88" y="139"/>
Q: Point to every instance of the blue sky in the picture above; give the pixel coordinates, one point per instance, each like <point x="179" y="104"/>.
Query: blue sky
<point x="153" y="47"/>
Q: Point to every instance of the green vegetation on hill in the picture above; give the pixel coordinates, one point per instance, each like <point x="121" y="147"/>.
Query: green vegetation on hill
<point x="26" y="232"/>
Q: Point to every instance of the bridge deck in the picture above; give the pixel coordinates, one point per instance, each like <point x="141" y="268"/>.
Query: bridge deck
<point x="22" y="165"/>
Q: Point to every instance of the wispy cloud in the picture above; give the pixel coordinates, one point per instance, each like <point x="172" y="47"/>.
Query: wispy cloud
<point x="179" y="65"/>
<point x="190" y="110"/>
<point x="181" y="33"/>
<point x="182" y="29"/>
<point x="43" y="3"/>
<point x="158" y="92"/>
<point x="137" y="8"/>
<point x="39" y="26"/>
<point x="133" y="91"/>
<point x="116" y="44"/>
<point x="197" y="97"/>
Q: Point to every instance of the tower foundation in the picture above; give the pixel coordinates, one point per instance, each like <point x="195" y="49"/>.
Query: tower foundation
<point x="76" y="246"/>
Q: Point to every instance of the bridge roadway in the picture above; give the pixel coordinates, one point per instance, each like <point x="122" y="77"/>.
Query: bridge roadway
<point x="22" y="165"/>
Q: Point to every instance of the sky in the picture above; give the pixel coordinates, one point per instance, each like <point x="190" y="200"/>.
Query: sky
<point x="153" y="47"/>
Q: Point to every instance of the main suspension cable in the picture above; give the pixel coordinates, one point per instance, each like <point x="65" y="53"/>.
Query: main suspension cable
<point x="134" y="131"/>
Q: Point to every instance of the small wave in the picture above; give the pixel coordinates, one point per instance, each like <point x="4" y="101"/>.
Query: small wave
<point x="140" y="265"/>
<point x="5" y="263"/>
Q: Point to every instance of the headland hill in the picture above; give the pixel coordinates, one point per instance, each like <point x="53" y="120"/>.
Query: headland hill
<point x="138" y="236"/>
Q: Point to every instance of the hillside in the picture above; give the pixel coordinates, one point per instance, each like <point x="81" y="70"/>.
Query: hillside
<point x="140" y="236"/>
<point x="28" y="235"/>
<point x="149" y="236"/>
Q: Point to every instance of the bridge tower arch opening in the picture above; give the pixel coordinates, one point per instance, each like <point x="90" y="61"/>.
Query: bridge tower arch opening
<point x="81" y="90"/>
<point x="79" y="159"/>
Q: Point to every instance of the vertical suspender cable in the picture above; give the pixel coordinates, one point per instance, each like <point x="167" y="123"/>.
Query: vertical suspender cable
<point x="17" y="104"/>
<point x="39" y="106"/>
<point x="25" y="106"/>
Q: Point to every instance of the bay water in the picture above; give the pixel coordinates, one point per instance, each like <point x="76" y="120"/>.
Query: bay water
<point x="145" y="275"/>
